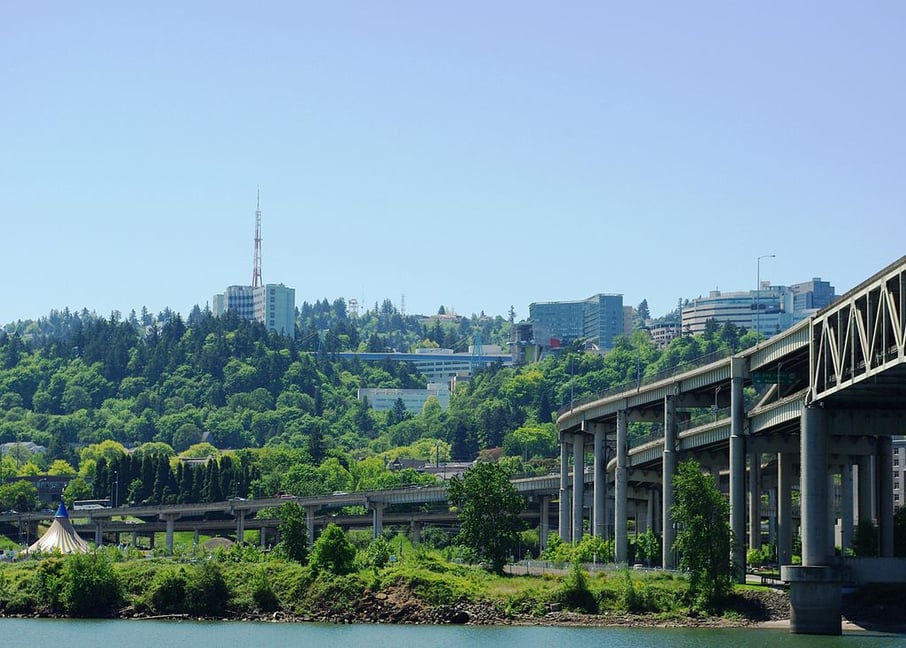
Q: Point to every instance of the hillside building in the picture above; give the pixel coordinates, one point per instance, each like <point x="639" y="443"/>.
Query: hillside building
<point x="595" y="321"/>
<point x="770" y="309"/>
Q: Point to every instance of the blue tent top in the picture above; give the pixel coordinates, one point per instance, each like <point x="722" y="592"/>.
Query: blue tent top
<point x="61" y="511"/>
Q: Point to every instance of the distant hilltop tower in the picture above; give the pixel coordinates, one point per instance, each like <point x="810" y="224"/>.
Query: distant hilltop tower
<point x="256" y="263"/>
<point x="274" y="305"/>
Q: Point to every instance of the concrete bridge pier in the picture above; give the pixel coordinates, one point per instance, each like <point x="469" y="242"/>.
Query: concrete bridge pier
<point x="99" y="532"/>
<point x="846" y="507"/>
<point x="784" y="508"/>
<point x="621" y="542"/>
<point x="578" y="498"/>
<point x="755" y="499"/>
<point x="737" y="468"/>
<point x="885" y="496"/>
<point x="563" y="509"/>
<point x="310" y="522"/>
<point x="668" y="533"/>
<point x="863" y="485"/>
<point x="240" y="527"/>
<point x="815" y="585"/>
<point x="170" y="519"/>
<point x="599" y="517"/>
<point x="377" y="509"/>
<point x="545" y="521"/>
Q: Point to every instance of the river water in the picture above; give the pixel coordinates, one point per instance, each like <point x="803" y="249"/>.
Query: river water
<point x="59" y="633"/>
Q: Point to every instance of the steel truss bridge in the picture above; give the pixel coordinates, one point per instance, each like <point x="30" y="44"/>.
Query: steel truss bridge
<point x="829" y="393"/>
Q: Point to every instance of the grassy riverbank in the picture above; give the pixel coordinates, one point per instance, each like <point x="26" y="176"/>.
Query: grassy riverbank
<point x="422" y="588"/>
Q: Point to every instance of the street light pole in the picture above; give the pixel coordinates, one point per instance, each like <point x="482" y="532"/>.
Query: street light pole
<point x="758" y="294"/>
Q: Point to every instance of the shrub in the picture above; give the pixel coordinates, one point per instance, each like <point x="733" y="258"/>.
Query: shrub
<point x="206" y="591"/>
<point x="167" y="592"/>
<point x="89" y="585"/>
<point x="593" y="549"/>
<point x="333" y="552"/>
<point x="574" y="593"/>
<point x="377" y="554"/>
<point x="47" y="584"/>
<point x="263" y="594"/>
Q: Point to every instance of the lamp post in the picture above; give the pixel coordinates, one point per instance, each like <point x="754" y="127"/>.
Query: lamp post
<point x="758" y="293"/>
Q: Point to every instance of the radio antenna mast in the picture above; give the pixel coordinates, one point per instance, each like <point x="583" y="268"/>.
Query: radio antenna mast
<point x="256" y="267"/>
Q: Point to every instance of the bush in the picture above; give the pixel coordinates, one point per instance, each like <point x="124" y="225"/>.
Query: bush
<point x="47" y="585"/>
<point x="263" y="594"/>
<point x="574" y="593"/>
<point x="167" y="592"/>
<point x="377" y="554"/>
<point x="333" y="552"/>
<point x="593" y="549"/>
<point x="89" y="585"/>
<point x="206" y="591"/>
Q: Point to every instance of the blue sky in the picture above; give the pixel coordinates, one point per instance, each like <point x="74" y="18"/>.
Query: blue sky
<point x="474" y="155"/>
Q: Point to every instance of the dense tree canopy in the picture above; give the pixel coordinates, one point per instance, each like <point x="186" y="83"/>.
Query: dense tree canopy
<point x="116" y="400"/>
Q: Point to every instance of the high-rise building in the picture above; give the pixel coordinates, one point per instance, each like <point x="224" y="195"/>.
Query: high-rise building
<point x="770" y="309"/>
<point x="274" y="305"/>
<point x="596" y="321"/>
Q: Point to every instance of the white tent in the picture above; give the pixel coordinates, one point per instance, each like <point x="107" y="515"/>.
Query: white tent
<point x="60" y="537"/>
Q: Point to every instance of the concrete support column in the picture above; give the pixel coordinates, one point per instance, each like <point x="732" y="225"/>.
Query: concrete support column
<point x="832" y="473"/>
<point x="755" y="499"/>
<point x="846" y="507"/>
<point x="171" y="523"/>
<point x="196" y="537"/>
<point x="263" y="537"/>
<point x="737" y="468"/>
<point x="377" y="510"/>
<point x="816" y="546"/>
<point x="578" y="498"/>
<point x="669" y="469"/>
<point x="240" y="526"/>
<point x="784" y="508"/>
<point x="310" y="522"/>
<point x="621" y="491"/>
<point x="885" y="496"/>
<point x="864" y="484"/>
<point x="599" y="521"/>
<point x="815" y="585"/>
<point x="545" y="521"/>
<point x="416" y="528"/>
<point x="649" y="511"/>
<point x="98" y="532"/>
<point x="563" y="508"/>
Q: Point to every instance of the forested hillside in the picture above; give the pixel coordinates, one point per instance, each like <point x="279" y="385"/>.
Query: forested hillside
<point x="287" y="410"/>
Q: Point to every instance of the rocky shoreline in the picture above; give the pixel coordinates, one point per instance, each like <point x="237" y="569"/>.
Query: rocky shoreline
<point x="400" y="606"/>
<point x="767" y="608"/>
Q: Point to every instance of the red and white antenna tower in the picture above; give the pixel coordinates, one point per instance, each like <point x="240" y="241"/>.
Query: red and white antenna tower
<point x="256" y="268"/>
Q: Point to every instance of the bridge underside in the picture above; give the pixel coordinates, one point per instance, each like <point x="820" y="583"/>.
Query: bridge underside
<point x="797" y="431"/>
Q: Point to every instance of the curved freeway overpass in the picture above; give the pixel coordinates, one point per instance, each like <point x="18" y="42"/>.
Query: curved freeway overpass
<point x="831" y="392"/>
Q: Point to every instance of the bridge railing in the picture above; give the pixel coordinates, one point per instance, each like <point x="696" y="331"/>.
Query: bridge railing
<point x="632" y="385"/>
<point x="656" y="432"/>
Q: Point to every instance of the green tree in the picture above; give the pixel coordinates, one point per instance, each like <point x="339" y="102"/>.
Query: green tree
<point x="489" y="509"/>
<point x="21" y="496"/>
<point x="333" y="552"/>
<point x="293" y="532"/>
<point x="89" y="585"/>
<point x="704" y="540"/>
